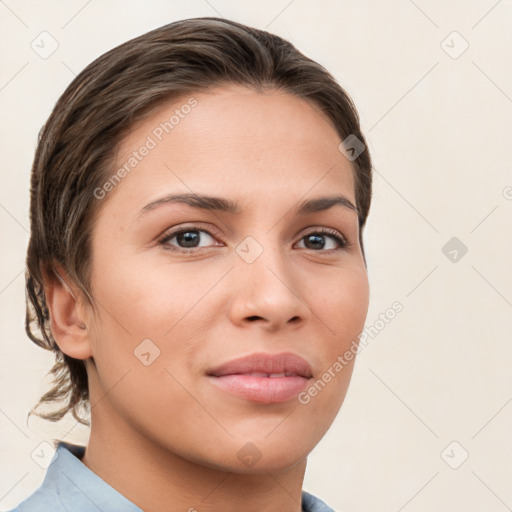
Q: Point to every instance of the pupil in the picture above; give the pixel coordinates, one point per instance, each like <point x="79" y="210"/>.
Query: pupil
<point x="188" y="238"/>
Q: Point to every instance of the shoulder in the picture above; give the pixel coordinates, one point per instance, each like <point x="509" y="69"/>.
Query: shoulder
<point x="48" y="496"/>
<point x="39" y="500"/>
<point x="70" y="485"/>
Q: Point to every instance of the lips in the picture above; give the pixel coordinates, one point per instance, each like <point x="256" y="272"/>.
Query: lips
<point x="263" y="378"/>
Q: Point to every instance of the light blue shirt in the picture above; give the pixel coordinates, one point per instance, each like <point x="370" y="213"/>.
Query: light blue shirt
<point x="70" y="486"/>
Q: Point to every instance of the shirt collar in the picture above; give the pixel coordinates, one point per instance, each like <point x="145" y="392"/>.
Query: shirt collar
<point x="78" y="488"/>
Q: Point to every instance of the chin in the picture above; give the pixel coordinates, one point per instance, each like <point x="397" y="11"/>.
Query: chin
<point x="258" y="457"/>
<point x="267" y="455"/>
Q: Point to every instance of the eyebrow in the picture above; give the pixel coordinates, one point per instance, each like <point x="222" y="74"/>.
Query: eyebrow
<point x="220" y="204"/>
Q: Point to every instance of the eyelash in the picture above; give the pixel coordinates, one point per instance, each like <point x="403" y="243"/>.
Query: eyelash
<point x="341" y="241"/>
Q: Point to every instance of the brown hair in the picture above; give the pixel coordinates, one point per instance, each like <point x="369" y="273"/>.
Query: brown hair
<point x="78" y="143"/>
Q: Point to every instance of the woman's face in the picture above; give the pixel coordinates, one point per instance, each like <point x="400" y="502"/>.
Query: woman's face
<point x="181" y="290"/>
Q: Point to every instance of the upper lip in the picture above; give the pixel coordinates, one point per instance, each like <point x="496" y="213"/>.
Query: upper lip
<point x="287" y="363"/>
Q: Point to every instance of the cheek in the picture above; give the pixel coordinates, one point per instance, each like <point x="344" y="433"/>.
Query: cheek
<point x="343" y="311"/>
<point x="149" y="313"/>
<point x="345" y="305"/>
<point x="145" y="299"/>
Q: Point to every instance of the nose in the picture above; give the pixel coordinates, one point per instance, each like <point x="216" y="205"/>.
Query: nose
<point x="267" y="292"/>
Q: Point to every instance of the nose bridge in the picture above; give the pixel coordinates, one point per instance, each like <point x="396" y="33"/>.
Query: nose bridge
<point x="266" y="287"/>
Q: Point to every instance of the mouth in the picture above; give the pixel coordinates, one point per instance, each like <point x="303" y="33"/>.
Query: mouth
<point x="263" y="378"/>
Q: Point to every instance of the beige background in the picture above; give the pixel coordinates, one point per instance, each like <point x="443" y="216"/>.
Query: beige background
<point x="439" y="126"/>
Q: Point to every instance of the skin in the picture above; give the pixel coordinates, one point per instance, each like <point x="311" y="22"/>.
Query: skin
<point x="175" y="435"/>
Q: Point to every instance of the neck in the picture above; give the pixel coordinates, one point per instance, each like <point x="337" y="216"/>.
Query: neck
<point x="156" y="479"/>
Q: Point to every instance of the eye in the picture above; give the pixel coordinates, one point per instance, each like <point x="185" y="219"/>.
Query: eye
<point x="315" y="240"/>
<point x="186" y="239"/>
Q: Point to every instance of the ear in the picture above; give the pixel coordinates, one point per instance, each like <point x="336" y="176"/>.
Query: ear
<point x="66" y="315"/>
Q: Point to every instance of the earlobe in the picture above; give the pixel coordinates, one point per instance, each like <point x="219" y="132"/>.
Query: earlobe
<point x="67" y="326"/>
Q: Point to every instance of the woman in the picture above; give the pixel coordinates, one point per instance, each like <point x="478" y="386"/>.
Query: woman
<point x="196" y="263"/>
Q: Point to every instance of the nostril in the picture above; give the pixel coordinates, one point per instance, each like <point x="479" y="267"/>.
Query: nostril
<point x="251" y="318"/>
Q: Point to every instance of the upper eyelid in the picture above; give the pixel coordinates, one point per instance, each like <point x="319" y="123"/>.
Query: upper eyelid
<point x="193" y="227"/>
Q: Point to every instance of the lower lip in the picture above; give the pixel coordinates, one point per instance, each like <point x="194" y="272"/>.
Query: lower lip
<point x="266" y="390"/>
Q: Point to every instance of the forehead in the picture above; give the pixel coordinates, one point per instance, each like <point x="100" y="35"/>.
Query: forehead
<point x="234" y="138"/>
